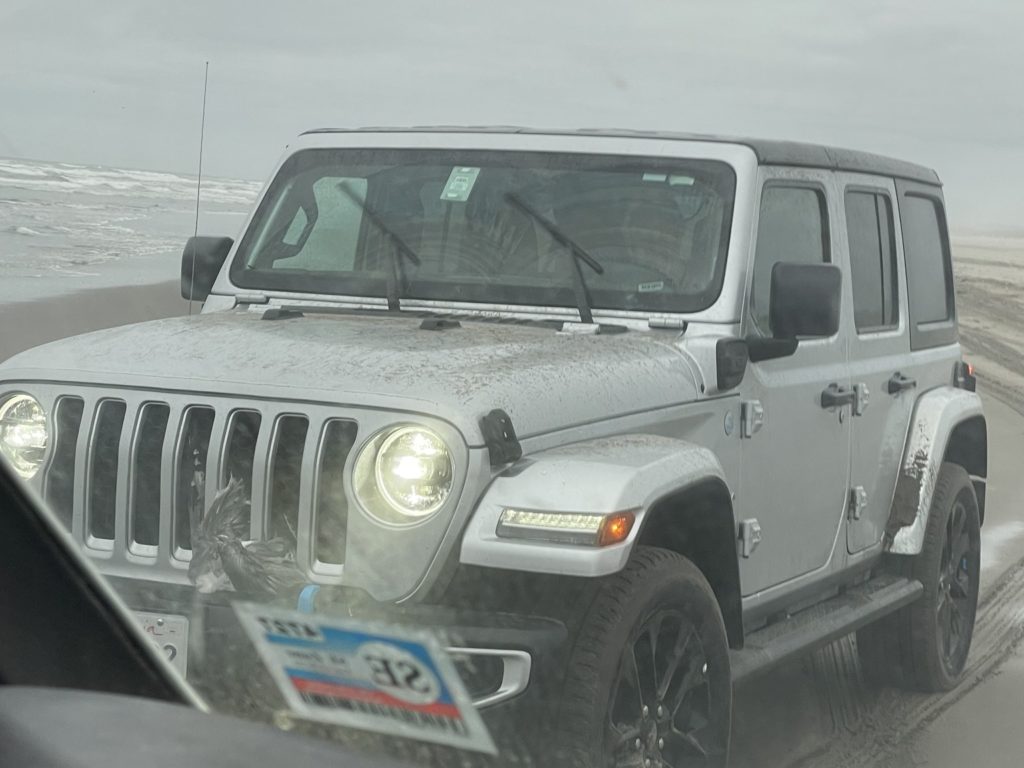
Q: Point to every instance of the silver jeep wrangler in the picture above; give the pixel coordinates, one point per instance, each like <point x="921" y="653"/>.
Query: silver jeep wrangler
<point x="629" y="417"/>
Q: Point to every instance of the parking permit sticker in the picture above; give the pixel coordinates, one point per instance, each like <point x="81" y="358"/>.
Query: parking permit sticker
<point x="460" y="184"/>
<point x="390" y="679"/>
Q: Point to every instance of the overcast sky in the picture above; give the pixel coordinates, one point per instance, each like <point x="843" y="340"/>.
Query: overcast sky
<point x="120" y="82"/>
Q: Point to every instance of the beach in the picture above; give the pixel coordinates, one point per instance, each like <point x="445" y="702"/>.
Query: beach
<point x="29" y="323"/>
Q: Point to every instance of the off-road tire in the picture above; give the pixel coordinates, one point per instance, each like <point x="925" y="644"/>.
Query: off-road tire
<point x="906" y="649"/>
<point x="657" y="588"/>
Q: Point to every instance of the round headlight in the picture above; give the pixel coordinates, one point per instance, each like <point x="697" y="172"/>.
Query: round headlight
<point x="22" y="433"/>
<point x="404" y="475"/>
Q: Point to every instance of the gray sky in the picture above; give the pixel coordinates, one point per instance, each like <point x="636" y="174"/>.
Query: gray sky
<point x="936" y="81"/>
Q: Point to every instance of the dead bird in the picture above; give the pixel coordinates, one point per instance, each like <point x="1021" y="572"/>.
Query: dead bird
<point x="222" y="559"/>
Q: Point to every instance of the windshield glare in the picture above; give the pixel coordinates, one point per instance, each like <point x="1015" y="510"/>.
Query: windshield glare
<point x="330" y="220"/>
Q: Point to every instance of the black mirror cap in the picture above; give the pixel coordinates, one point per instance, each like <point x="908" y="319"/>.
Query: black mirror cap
<point x="731" y="357"/>
<point x="201" y="262"/>
<point x="805" y="300"/>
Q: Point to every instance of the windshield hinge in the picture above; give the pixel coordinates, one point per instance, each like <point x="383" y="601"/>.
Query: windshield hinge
<point x="673" y="323"/>
<point x="276" y="313"/>
<point x="250" y="298"/>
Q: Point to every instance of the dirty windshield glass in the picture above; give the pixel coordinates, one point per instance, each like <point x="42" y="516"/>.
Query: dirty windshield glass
<point x="474" y="227"/>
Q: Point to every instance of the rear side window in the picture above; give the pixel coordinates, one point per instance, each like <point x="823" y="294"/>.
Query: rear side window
<point x="869" y="226"/>
<point x="792" y="227"/>
<point x="929" y="277"/>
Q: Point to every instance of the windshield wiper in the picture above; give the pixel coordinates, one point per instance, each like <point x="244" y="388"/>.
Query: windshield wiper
<point x="576" y="255"/>
<point x="396" y="276"/>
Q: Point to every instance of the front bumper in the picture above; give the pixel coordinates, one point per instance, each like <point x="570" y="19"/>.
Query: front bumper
<point x="511" y="664"/>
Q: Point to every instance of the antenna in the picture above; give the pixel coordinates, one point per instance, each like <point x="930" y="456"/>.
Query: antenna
<point x="199" y="186"/>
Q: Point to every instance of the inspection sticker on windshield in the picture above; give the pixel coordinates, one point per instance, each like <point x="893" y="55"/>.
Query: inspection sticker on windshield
<point x="460" y="183"/>
<point x="654" y="287"/>
<point x="391" y="679"/>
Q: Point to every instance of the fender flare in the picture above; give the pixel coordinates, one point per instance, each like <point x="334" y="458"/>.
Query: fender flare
<point x="936" y="414"/>
<point x="613" y="474"/>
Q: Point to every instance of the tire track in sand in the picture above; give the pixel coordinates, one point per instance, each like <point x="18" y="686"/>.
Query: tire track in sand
<point x="891" y="717"/>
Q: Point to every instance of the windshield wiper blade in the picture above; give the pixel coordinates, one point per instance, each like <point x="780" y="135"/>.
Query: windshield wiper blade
<point x="396" y="276"/>
<point x="576" y="255"/>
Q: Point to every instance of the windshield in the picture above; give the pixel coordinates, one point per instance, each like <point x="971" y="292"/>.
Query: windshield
<point x="478" y="223"/>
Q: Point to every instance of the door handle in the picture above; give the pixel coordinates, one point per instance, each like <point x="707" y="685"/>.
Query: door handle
<point x="898" y="382"/>
<point x="834" y="396"/>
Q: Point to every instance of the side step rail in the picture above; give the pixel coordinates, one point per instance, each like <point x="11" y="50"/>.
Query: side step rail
<point x="822" y="623"/>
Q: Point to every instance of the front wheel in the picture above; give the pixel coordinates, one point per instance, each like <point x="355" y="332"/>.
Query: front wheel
<point x="648" y="683"/>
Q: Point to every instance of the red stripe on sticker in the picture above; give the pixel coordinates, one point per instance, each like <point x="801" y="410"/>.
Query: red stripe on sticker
<point x="377" y="697"/>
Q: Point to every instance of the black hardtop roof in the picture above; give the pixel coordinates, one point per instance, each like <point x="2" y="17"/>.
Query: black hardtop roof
<point x="768" y="151"/>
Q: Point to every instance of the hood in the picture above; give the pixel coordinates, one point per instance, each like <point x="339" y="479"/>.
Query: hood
<point x="545" y="380"/>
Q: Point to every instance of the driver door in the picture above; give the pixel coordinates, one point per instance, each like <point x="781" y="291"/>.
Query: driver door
<point x="795" y="467"/>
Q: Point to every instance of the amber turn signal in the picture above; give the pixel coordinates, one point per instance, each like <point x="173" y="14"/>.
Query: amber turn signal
<point x="616" y="528"/>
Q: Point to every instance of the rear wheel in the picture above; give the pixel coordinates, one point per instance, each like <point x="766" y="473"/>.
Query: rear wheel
<point x="648" y="683"/>
<point x="925" y="645"/>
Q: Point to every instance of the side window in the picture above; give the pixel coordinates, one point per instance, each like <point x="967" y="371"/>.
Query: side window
<point x="929" y="281"/>
<point x="869" y="227"/>
<point x="332" y="242"/>
<point x="793" y="227"/>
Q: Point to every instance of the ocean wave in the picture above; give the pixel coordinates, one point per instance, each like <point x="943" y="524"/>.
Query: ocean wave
<point x="104" y="181"/>
<point x="27" y="231"/>
<point x="66" y="221"/>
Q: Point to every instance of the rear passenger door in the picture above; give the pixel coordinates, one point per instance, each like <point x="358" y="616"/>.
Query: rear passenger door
<point x="896" y="366"/>
<point x="880" y="365"/>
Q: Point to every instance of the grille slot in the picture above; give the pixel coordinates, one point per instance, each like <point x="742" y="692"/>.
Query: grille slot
<point x="331" y="521"/>
<point x="285" y="474"/>
<point x="103" y="464"/>
<point x="144" y="517"/>
<point x="193" y="451"/>
<point x="240" y="448"/>
<point x="60" y="477"/>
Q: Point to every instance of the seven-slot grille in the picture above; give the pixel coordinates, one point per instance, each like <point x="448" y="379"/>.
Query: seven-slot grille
<point x="125" y="469"/>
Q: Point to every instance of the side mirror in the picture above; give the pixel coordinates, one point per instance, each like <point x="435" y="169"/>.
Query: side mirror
<point x="804" y="304"/>
<point x="201" y="262"/>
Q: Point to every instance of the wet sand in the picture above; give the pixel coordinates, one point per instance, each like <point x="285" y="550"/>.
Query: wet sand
<point x="30" y="323"/>
<point x="983" y="729"/>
